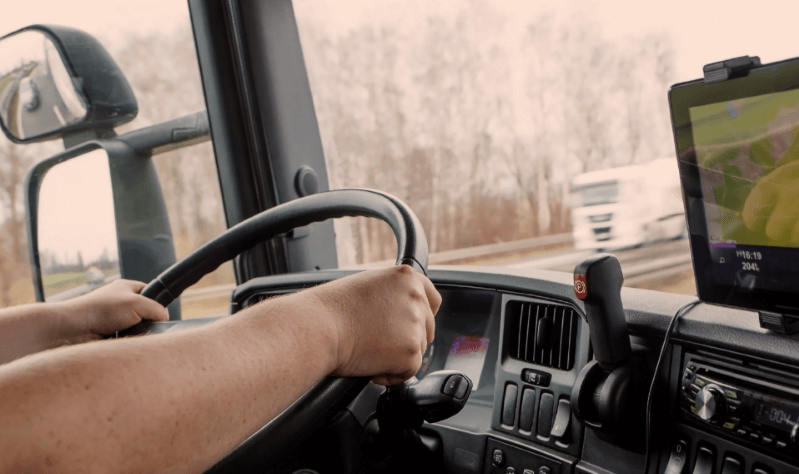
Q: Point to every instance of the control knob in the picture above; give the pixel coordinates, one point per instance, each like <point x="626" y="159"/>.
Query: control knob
<point x="710" y="403"/>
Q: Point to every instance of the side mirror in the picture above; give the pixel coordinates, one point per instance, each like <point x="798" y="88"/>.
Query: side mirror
<point x="58" y="82"/>
<point x="96" y="213"/>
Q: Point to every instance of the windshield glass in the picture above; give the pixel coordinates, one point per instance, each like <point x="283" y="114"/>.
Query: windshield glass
<point x="501" y="123"/>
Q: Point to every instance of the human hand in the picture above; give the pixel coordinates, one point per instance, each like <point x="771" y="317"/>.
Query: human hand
<point x="111" y="308"/>
<point x="771" y="206"/>
<point x="384" y="320"/>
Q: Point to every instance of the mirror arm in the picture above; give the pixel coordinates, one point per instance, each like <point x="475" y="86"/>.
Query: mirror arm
<point x="83" y="136"/>
<point x="170" y="135"/>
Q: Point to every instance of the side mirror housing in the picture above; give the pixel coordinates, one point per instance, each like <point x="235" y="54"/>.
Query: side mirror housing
<point x="59" y="82"/>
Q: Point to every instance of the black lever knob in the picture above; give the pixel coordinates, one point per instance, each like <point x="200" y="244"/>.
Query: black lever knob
<point x="438" y="396"/>
<point x="597" y="281"/>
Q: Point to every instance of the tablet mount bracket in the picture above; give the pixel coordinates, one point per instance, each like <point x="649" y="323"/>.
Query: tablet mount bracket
<point x="730" y="69"/>
<point x="778" y="322"/>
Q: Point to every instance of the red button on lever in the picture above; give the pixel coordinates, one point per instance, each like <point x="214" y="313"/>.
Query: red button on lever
<point x="580" y="288"/>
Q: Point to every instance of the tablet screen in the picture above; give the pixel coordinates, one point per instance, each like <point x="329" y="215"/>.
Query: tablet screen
<point x="748" y="157"/>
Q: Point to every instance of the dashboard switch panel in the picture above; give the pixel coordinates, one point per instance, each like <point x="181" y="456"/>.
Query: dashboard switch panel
<point x="509" y="405"/>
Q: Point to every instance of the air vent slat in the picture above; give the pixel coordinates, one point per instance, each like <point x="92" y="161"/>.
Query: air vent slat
<point x="521" y="321"/>
<point x="527" y="339"/>
<point x="542" y="334"/>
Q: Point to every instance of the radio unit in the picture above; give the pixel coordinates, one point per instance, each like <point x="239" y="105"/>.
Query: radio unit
<point x="743" y="405"/>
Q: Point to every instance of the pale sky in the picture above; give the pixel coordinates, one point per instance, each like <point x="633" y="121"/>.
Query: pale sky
<point x="702" y="31"/>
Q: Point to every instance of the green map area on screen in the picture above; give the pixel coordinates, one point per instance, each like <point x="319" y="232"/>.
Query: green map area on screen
<point x="748" y="156"/>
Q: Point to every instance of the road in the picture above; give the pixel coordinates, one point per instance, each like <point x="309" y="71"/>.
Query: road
<point x="78" y="290"/>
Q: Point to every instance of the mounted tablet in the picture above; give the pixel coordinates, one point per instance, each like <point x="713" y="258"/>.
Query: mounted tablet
<point x="736" y="135"/>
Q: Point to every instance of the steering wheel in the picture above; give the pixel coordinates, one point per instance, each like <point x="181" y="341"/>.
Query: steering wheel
<point x="331" y="394"/>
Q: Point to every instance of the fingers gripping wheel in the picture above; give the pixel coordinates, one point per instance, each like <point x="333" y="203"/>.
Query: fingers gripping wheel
<point x="332" y="394"/>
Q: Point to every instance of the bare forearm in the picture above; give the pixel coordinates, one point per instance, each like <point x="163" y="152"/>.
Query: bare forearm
<point x="188" y="398"/>
<point x="33" y="328"/>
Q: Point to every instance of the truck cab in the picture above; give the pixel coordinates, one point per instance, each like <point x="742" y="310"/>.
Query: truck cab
<point x="448" y="118"/>
<point x="627" y="206"/>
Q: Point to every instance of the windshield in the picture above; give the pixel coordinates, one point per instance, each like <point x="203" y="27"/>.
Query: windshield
<point x="501" y="123"/>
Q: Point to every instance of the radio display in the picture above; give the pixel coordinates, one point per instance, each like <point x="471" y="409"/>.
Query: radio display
<point x="777" y="415"/>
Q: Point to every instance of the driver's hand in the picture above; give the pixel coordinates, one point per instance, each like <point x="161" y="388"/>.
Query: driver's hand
<point x="111" y="308"/>
<point x="384" y="320"/>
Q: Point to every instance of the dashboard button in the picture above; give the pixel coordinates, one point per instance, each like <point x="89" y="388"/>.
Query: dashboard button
<point x="545" y="408"/>
<point x="509" y="405"/>
<point x="455" y="386"/>
<point x="562" y="418"/>
<point x="728" y="425"/>
<point x="677" y="459"/>
<point x="535" y="377"/>
<point x="510" y="470"/>
<point x="689" y="375"/>
<point x="528" y="410"/>
<point x="741" y="432"/>
<point x="731" y="466"/>
<point x="705" y="461"/>
<point x="544" y="470"/>
<point x="498" y="459"/>
<point x="700" y="382"/>
<point x="754" y="436"/>
<point x="781" y="445"/>
<point x="766" y="440"/>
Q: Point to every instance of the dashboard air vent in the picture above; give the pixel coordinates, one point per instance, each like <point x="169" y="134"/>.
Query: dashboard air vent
<point x="542" y="334"/>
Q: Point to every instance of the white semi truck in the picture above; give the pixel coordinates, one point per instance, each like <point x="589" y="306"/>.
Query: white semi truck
<point x="627" y="206"/>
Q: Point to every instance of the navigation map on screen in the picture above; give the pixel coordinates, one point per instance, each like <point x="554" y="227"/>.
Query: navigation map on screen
<point x="748" y="156"/>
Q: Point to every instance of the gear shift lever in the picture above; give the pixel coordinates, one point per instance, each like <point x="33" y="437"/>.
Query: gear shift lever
<point x="597" y="281"/>
<point x="609" y="395"/>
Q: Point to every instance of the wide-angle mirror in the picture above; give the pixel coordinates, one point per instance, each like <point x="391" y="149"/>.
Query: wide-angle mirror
<point x="77" y="235"/>
<point x="37" y="94"/>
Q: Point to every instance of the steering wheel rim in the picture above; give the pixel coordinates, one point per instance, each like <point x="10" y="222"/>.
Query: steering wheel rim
<point x="331" y="394"/>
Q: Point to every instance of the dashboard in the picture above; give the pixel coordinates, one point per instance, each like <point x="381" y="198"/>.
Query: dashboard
<point x="727" y="397"/>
